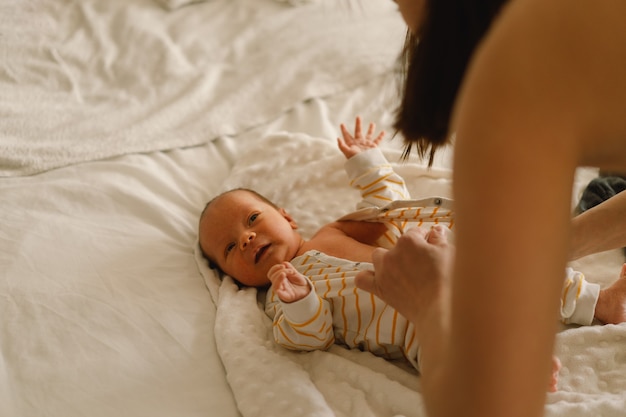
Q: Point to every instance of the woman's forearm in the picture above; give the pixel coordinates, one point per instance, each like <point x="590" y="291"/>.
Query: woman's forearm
<point x="600" y="228"/>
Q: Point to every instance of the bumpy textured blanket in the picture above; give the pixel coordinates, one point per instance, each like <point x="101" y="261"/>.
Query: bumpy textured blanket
<point x="305" y="175"/>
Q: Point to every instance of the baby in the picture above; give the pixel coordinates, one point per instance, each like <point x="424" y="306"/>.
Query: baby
<point x="312" y="297"/>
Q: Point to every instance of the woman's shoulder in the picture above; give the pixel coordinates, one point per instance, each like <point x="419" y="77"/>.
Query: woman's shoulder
<point x="555" y="61"/>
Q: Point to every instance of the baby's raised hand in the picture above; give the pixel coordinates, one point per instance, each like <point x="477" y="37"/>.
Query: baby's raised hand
<point x="351" y="145"/>
<point x="288" y="284"/>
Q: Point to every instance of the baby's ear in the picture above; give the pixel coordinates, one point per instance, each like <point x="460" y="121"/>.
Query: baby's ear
<point x="288" y="217"/>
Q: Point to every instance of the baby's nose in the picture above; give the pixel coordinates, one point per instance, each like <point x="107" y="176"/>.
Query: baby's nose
<point x="247" y="238"/>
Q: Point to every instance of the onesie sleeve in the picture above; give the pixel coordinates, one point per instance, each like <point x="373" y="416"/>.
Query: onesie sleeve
<point x="305" y="324"/>
<point x="371" y="174"/>
<point x="578" y="298"/>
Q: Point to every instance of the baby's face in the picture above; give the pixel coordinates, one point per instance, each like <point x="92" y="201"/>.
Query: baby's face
<point x="246" y="236"/>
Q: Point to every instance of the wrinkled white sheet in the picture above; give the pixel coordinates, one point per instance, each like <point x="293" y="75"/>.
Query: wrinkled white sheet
<point x="90" y="79"/>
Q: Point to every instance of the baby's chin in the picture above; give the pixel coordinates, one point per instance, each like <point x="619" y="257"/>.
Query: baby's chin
<point x="257" y="282"/>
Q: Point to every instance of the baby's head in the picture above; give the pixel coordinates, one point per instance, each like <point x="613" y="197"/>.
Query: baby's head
<point x="244" y="235"/>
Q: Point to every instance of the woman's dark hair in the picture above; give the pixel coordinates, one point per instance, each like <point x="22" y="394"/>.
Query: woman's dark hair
<point x="433" y="63"/>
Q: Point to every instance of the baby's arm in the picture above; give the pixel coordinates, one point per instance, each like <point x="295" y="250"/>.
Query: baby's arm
<point x="371" y="174"/>
<point x="368" y="169"/>
<point x="303" y="324"/>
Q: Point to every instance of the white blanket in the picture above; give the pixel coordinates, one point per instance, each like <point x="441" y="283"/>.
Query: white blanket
<point x="305" y="176"/>
<point x="91" y="79"/>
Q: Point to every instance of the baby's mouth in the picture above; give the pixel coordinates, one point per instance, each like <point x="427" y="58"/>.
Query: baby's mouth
<point x="260" y="252"/>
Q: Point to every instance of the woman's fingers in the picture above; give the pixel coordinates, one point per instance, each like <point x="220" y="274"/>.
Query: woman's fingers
<point x="437" y="235"/>
<point x="365" y="280"/>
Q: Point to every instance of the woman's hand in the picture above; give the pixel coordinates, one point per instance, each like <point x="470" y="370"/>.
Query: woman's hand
<point x="414" y="275"/>
<point x="351" y="145"/>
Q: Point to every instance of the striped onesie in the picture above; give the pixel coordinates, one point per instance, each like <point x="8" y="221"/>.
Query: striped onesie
<point x="336" y="311"/>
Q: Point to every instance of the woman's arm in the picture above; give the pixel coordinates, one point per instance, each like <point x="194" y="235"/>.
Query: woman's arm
<point x="522" y="123"/>
<point x="543" y="94"/>
<point x="600" y="228"/>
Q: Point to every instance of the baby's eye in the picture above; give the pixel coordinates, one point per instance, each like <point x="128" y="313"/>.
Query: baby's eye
<point x="229" y="248"/>
<point x="253" y="218"/>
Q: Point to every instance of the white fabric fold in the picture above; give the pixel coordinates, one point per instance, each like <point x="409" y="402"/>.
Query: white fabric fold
<point x="91" y="79"/>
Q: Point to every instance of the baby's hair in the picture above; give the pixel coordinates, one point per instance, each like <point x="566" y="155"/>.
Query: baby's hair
<point x="211" y="262"/>
<point x="248" y="190"/>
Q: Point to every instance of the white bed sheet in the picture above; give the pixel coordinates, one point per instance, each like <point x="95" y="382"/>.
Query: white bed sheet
<point x="101" y="309"/>
<point x="90" y="79"/>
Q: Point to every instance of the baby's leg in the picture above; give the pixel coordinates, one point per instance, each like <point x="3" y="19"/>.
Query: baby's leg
<point x="611" y="305"/>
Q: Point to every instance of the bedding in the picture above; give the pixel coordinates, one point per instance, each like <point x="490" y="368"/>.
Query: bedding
<point x="118" y="121"/>
<point x="93" y="79"/>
